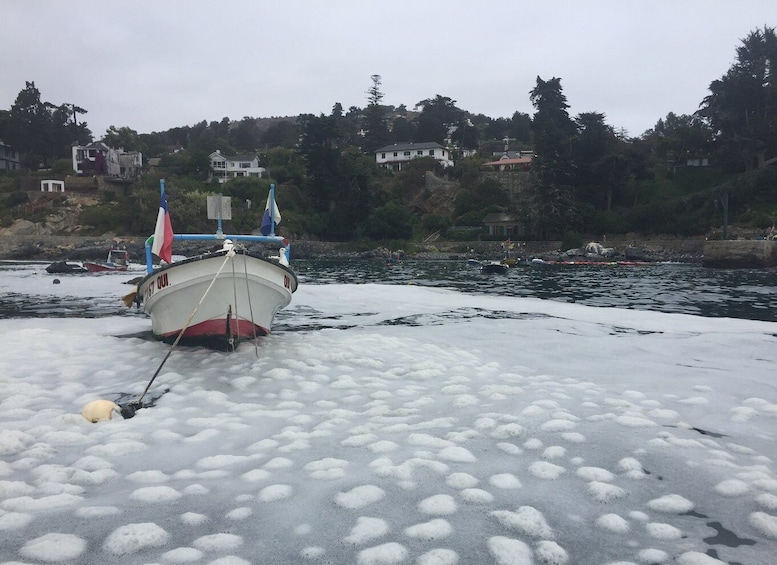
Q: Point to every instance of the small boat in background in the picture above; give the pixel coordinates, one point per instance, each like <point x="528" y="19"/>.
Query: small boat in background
<point x="493" y="268"/>
<point x="65" y="267"/>
<point x="117" y="260"/>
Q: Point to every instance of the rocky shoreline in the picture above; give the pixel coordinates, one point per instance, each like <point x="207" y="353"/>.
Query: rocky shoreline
<point x="82" y="248"/>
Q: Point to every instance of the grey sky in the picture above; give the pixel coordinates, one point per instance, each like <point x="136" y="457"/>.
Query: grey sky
<point x="153" y="65"/>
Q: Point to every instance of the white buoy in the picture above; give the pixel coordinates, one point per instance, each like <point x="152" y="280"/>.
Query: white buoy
<point x="99" y="410"/>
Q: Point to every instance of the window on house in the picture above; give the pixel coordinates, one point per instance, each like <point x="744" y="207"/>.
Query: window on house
<point x="419" y="152"/>
<point x="407" y="153"/>
<point x="395" y="153"/>
<point x="245" y="165"/>
<point x="431" y="152"/>
<point x="382" y="155"/>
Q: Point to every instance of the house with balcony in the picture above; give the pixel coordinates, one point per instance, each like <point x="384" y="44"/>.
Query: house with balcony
<point x="98" y="158"/>
<point x="396" y="156"/>
<point x="9" y="157"/>
<point x="227" y="167"/>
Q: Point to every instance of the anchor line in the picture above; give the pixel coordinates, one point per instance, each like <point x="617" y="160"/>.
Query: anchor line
<point x="230" y="254"/>
<point x="250" y="307"/>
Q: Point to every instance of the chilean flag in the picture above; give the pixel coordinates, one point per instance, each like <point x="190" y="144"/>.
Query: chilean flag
<point x="163" y="233"/>
<point x="272" y="216"/>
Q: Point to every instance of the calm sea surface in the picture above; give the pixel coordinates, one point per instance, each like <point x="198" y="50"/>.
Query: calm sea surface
<point x="677" y="288"/>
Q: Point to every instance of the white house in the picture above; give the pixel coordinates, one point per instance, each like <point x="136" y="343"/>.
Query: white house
<point x="399" y="154"/>
<point x="9" y="157"/>
<point x="52" y="185"/>
<point x="118" y="163"/>
<point x="226" y="167"/>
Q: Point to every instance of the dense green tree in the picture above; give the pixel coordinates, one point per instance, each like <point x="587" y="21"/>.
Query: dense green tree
<point x="601" y="169"/>
<point x="465" y="135"/>
<point x="285" y="166"/>
<point x="438" y="114"/>
<point x="389" y="221"/>
<point x="122" y="137"/>
<point x="346" y="127"/>
<point x="551" y="195"/>
<point x="376" y="132"/>
<point x="284" y="133"/>
<point x="209" y="138"/>
<point x="193" y="163"/>
<point x="676" y="139"/>
<point x="339" y="183"/>
<point x="152" y="145"/>
<point x="497" y="129"/>
<point x="320" y="147"/>
<point x="521" y="129"/>
<point x="41" y="131"/>
<point x="742" y="104"/>
<point x="67" y="130"/>
<point x="244" y="136"/>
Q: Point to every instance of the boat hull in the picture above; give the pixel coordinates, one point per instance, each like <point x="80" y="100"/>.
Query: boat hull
<point x="241" y="303"/>
<point x="102" y="268"/>
<point x="494" y="268"/>
<point x="65" y="267"/>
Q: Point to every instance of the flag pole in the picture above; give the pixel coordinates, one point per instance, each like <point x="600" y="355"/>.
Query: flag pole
<point x="273" y="206"/>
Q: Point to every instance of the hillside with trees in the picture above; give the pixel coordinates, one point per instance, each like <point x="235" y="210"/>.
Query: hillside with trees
<point x="689" y="175"/>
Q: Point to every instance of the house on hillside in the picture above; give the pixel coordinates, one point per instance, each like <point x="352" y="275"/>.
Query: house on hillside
<point x="502" y="224"/>
<point x="395" y="156"/>
<point x="52" y="185"/>
<point x="98" y="158"/>
<point x="226" y="167"/>
<point x="9" y="157"/>
<point x="512" y="161"/>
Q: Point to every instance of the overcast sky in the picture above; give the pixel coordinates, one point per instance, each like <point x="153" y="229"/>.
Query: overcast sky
<point x="155" y="64"/>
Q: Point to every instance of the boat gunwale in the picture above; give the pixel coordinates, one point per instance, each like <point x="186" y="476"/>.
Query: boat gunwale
<point x="213" y="255"/>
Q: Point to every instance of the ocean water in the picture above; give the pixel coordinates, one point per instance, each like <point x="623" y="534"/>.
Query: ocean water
<point x="667" y="287"/>
<point x="414" y="414"/>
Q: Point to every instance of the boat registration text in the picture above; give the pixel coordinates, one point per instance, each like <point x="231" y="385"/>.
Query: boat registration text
<point x="157" y="283"/>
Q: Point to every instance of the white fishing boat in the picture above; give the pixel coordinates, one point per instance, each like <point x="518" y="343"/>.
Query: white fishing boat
<point x="219" y="298"/>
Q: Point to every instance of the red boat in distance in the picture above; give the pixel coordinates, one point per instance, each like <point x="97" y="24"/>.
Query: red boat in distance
<point x="118" y="260"/>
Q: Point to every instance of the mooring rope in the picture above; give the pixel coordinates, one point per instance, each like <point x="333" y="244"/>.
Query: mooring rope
<point x="250" y="307"/>
<point x="229" y="255"/>
<point x="237" y="313"/>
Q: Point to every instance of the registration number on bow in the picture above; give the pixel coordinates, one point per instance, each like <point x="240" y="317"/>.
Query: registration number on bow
<point x="157" y="283"/>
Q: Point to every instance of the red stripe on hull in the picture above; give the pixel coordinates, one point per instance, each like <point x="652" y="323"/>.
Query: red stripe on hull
<point x="242" y="329"/>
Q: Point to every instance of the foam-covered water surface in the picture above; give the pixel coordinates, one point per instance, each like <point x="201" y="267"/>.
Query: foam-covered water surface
<point x="400" y="423"/>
